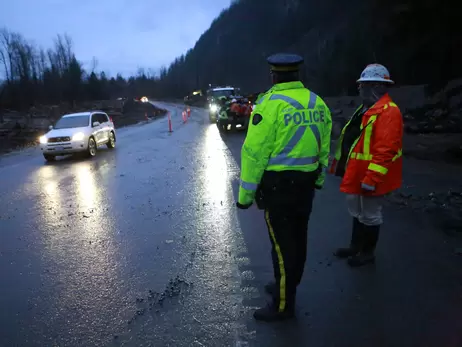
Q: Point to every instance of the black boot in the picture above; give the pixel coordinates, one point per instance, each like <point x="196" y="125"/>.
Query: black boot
<point x="355" y="243"/>
<point x="270" y="313"/>
<point x="366" y="255"/>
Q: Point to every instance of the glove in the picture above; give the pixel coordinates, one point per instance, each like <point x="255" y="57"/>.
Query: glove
<point x="243" y="207"/>
<point x="367" y="187"/>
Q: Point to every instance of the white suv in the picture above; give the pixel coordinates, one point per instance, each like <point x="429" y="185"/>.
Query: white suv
<point x="78" y="133"/>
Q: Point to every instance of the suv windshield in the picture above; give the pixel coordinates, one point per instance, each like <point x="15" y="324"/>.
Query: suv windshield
<point x="218" y="93"/>
<point x="72" y="122"/>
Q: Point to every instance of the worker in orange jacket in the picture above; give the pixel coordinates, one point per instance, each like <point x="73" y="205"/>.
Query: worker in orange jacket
<point x="235" y="106"/>
<point x="369" y="158"/>
<point x="247" y="105"/>
<point x="235" y="110"/>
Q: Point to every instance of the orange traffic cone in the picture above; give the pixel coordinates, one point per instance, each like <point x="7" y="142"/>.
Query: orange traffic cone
<point x="169" y="123"/>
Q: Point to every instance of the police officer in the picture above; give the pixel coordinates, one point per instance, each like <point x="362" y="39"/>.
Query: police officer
<point x="223" y="114"/>
<point x="283" y="159"/>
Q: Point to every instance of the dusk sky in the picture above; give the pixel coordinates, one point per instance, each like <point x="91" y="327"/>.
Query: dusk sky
<point x="122" y="34"/>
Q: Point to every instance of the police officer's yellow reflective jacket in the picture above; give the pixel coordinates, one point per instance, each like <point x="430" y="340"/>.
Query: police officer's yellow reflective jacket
<point x="224" y="110"/>
<point x="223" y="114"/>
<point x="257" y="100"/>
<point x="289" y="129"/>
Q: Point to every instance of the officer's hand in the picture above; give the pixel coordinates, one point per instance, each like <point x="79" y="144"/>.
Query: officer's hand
<point x="243" y="207"/>
<point x="319" y="183"/>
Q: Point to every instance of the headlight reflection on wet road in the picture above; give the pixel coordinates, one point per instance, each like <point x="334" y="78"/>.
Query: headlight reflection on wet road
<point x="218" y="233"/>
<point x="45" y="176"/>
<point x="216" y="167"/>
<point x="50" y="204"/>
<point x="88" y="195"/>
<point x="51" y="188"/>
<point x="219" y="226"/>
<point x="79" y="247"/>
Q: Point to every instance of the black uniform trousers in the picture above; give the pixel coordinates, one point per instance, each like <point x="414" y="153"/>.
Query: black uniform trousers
<point x="287" y="198"/>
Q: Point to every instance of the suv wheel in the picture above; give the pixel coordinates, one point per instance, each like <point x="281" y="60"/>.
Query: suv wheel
<point x="91" y="150"/>
<point x="111" y="143"/>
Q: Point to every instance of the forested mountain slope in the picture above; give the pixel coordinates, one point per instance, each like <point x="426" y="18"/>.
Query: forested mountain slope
<point x="419" y="41"/>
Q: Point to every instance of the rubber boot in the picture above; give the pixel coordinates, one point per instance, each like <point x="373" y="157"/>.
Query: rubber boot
<point x="357" y="237"/>
<point x="366" y="255"/>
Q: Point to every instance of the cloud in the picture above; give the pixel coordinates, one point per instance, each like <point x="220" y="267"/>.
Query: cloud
<point x="122" y="34"/>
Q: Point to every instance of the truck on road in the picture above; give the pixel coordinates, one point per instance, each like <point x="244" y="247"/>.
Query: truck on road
<point x="213" y="99"/>
<point x="234" y="114"/>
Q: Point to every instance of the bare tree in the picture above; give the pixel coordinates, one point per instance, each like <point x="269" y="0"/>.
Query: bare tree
<point x="6" y="52"/>
<point x="94" y="64"/>
<point x="41" y="62"/>
<point x="60" y="58"/>
<point x="33" y="74"/>
<point x="24" y="58"/>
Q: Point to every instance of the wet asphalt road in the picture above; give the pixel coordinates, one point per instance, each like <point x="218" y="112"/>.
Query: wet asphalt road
<point x="142" y="246"/>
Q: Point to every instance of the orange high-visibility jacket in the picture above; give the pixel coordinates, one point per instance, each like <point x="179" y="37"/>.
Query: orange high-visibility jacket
<point x="375" y="158"/>
<point x="248" y="110"/>
<point x="235" y="107"/>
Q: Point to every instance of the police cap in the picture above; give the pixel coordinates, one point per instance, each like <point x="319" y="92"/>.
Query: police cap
<point x="283" y="62"/>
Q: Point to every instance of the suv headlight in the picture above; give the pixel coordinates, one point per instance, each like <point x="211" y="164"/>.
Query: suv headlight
<point x="78" y="137"/>
<point x="43" y="139"/>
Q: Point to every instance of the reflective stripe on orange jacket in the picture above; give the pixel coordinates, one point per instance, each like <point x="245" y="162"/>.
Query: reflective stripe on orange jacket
<point x="375" y="159"/>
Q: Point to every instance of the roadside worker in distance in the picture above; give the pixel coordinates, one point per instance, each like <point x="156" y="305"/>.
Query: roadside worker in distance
<point x="368" y="156"/>
<point x="283" y="159"/>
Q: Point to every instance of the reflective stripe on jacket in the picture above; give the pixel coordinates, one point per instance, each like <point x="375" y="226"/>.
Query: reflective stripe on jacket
<point x="223" y="113"/>
<point x="291" y="131"/>
<point x="375" y="158"/>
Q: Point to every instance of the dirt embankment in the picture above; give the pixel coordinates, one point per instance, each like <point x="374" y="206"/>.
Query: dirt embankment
<point x="22" y="129"/>
<point x="432" y="148"/>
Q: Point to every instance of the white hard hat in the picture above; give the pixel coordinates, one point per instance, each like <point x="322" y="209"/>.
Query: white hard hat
<point x="375" y="73"/>
<point x="234" y="100"/>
